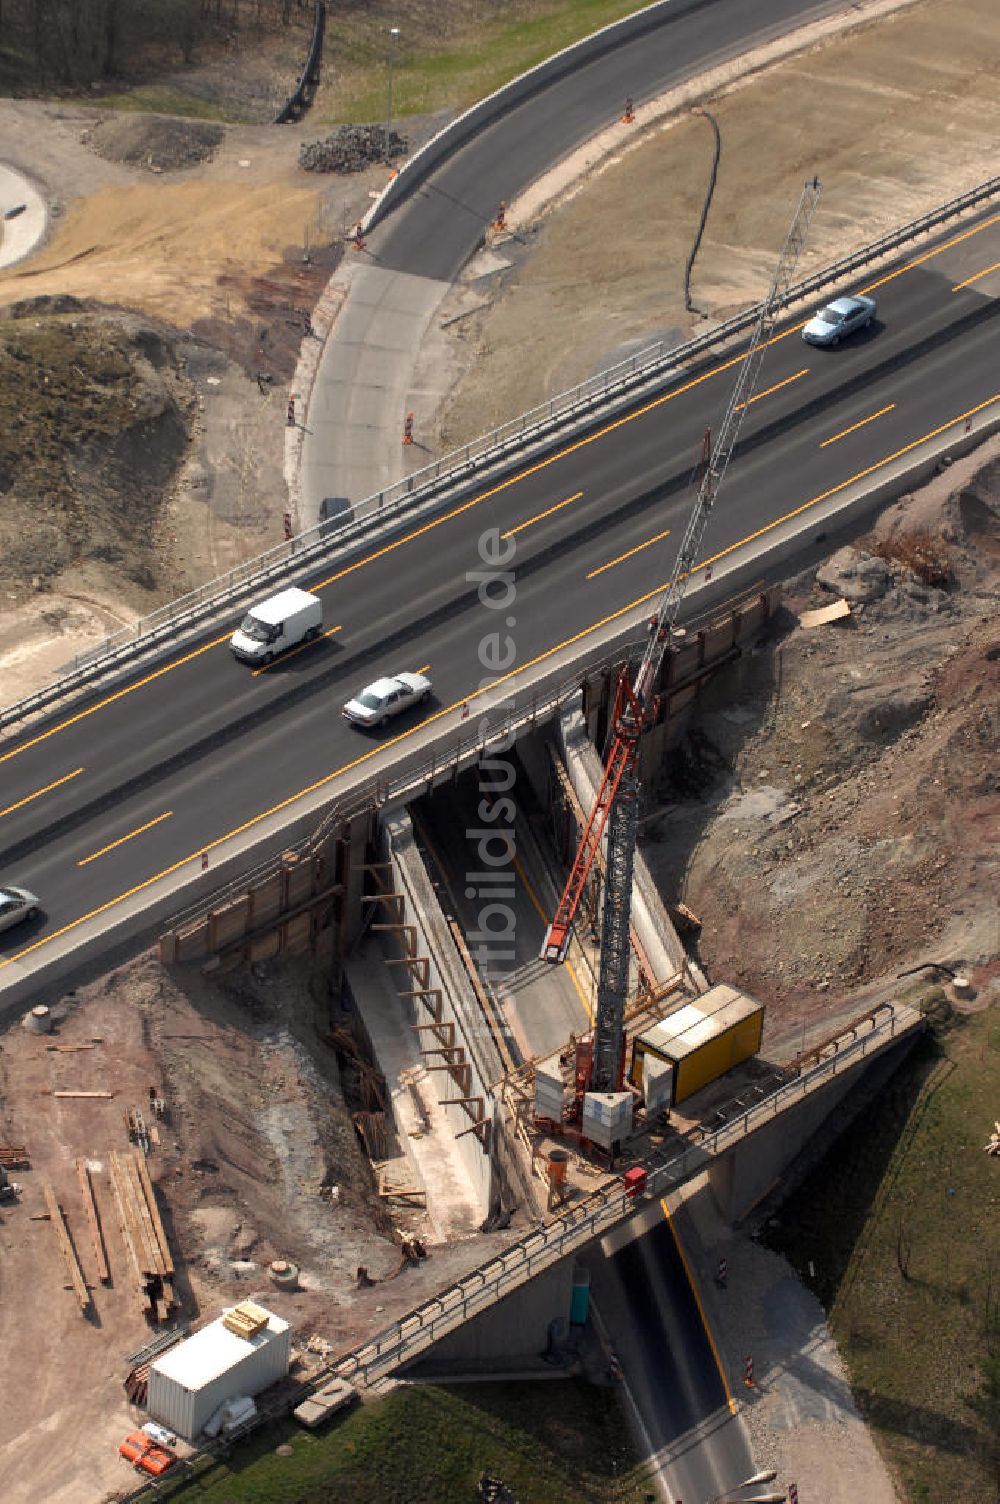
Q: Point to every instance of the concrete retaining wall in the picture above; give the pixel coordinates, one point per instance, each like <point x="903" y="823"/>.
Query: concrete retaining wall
<point x="421" y="909"/>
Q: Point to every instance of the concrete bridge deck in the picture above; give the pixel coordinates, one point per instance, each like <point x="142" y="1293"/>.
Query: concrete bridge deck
<point x="806" y="1099"/>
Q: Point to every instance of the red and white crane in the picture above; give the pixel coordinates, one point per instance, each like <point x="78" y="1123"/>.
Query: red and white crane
<point x="616" y="807"/>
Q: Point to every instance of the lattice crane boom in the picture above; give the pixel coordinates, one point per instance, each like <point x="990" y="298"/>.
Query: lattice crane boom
<point x="616" y="805"/>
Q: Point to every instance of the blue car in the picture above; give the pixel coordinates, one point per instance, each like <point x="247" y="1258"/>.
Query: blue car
<point x="838" y="319"/>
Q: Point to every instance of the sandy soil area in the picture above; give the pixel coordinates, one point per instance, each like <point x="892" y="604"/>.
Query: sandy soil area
<point x="257" y="1160"/>
<point x="896" y="113"/>
<point x="832" y="814"/>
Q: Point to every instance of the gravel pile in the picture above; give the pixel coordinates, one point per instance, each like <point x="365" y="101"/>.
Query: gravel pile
<point x="160" y="144"/>
<point x="352" y="148"/>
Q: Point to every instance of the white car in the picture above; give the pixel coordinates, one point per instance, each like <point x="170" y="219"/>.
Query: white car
<point x="160" y="1433"/>
<point x="838" y="319"/>
<point x="379" y="702"/>
<point x="16" y="904"/>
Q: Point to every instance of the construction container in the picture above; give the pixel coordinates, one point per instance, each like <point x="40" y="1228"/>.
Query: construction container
<point x="549" y="1091"/>
<point x="607" y="1117"/>
<point x="188" y="1384"/>
<point x="700" y="1041"/>
<point x="579" y="1302"/>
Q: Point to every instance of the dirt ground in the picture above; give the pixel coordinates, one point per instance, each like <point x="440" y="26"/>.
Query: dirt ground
<point x="211" y="256"/>
<point x="833" y="813"/>
<point x="257" y="1160"/>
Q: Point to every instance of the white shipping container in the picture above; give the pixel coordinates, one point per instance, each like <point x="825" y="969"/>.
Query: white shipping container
<point x="189" y="1383"/>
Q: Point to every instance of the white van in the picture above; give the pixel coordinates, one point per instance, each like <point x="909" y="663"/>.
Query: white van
<point x="277" y="624"/>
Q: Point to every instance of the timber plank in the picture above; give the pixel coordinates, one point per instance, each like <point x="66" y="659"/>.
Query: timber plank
<point x="68" y="1251"/>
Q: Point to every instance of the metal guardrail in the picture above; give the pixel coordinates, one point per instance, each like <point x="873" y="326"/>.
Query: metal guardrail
<point x="656" y="364"/>
<point x="300" y="100"/>
<point x="404" y="1339"/>
<point x="416" y="774"/>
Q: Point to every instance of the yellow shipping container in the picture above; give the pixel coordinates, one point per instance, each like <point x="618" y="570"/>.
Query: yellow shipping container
<point x="702" y="1040"/>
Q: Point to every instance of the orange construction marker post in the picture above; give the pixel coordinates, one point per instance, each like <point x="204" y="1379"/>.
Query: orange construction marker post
<point x="629" y="115"/>
<point x="408" y="429"/>
<point x="287" y="523"/>
<point x="359" y="239"/>
<point x="291" y="412"/>
<point x="748" y="1373"/>
<point x="500" y="223"/>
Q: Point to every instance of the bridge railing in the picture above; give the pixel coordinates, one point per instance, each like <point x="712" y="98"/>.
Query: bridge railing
<point x="600" y="1211"/>
<point x="656" y="364"/>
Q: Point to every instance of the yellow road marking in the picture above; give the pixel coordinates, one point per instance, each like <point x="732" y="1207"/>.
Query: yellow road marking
<point x="858" y="475"/>
<point x="637" y="550"/>
<point x="854" y="426"/>
<point x="969" y="280"/>
<point x="119" y="694"/>
<point x="512" y="480"/>
<point x="495" y="684"/>
<point x="423" y="669"/>
<point x="538" y="517"/>
<point x="701" y="1309"/>
<point x="39" y="792"/>
<point x="775" y="388"/>
<point x="927" y="255"/>
<point x="292" y="652"/>
<point x="122" y="839"/>
<point x="567" y="965"/>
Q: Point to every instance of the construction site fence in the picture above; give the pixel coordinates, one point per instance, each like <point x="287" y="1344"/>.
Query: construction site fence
<point x="418" y="775"/>
<point x="656" y="365"/>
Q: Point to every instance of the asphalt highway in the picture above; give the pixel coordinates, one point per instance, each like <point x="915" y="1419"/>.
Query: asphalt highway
<point x="132" y="784"/>
<point x="649" y="1306"/>
<point x="433" y="233"/>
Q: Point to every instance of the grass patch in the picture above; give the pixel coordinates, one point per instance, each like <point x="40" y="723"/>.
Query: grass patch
<point x="159" y="99"/>
<point x="558" y="1442"/>
<point x="902" y="1224"/>
<point x="434" y="73"/>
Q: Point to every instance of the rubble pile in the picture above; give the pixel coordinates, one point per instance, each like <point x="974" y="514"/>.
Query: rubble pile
<point x="352" y="148"/>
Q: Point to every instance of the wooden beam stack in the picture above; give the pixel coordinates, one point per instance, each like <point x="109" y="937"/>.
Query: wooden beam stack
<point x="145" y="1241"/>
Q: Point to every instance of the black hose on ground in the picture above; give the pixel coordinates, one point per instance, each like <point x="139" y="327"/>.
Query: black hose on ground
<point x="704" y="213"/>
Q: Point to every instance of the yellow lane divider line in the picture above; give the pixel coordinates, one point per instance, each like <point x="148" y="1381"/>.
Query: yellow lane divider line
<point x="56" y="783"/>
<point x="119" y="694"/>
<point x="975" y="278"/>
<point x="112" y="845"/>
<point x="937" y="250"/>
<point x="621" y="557"/>
<point x="495" y="684"/>
<point x="775" y="388"/>
<point x="855" y="426"/>
<point x="539" y="516"/>
<point x="701" y="1309"/>
<point x="512" y="480"/>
